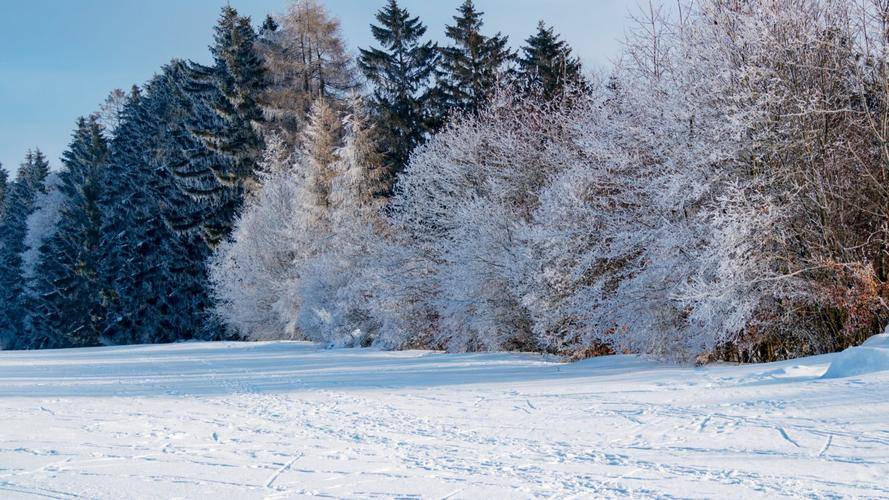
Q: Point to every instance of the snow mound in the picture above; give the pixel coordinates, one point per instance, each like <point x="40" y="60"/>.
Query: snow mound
<point x="871" y="357"/>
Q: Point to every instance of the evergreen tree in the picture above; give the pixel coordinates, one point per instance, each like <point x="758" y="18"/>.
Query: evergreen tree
<point x="547" y="65"/>
<point x="471" y="66"/>
<point x="269" y="26"/>
<point x="185" y="305"/>
<point x="231" y="89"/>
<point x="400" y="71"/>
<point x="152" y="274"/>
<point x="18" y="205"/>
<point x="200" y="200"/>
<point x="67" y="308"/>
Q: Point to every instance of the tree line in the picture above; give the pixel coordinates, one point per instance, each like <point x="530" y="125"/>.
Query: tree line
<point x="114" y="247"/>
<point x="722" y="192"/>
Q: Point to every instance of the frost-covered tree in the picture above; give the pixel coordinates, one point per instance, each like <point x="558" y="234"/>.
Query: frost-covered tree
<point x="250" y="271"/>
<point x="472" y="65"/>
<point x="401" y="72"/>
<point x="42" y="224"/>
<point x="319" y="152"/>
<point x="461" y="202"/>
<point x="335" y="286"/>
<point x="809" y="130"/>
<point x="67" y="288"/>
<point x="359" y="172"/>
<point x="256" y="274"/>
<point x="723" y="151"/>
<point x="110" y="110"/>
<point x="302" y="260"/>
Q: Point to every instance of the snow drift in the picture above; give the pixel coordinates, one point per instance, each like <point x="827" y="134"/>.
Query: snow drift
<point x="870" y="357"/>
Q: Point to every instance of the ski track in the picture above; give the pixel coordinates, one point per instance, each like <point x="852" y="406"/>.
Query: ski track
<point x="285" y="420"/>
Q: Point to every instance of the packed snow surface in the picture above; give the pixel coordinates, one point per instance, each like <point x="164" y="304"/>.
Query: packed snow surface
<point x="284" y="420"/>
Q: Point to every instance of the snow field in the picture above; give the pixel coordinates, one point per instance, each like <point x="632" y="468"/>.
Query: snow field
<point x="286" y="420"/>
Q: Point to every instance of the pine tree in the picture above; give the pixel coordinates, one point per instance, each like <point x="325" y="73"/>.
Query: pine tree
<point x="400" y="72"/>
<point x="547" y="65"/>
<point x="18" y="205"/>
<point x="471" y="66"/>
<point x="68" y="306"/>
<point x="231" y="89"/>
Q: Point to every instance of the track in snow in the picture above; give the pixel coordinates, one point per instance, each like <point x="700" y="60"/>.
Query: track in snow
<point x="281" y="420"/>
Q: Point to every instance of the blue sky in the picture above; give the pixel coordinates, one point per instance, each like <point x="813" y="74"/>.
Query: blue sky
<point x="60" y="58"/>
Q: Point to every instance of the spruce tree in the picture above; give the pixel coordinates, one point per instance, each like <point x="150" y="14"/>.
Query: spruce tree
<point x="230" y="89"/>
<point x="68" y="305"/>
<point x="269" y="26"/>
<point x="18" y="205"/>
<point x="154" y="276"/>
<point x="471" y="66"/>
<point x="186" y="304"/>
<point x="400" y="71"/>
<point x="200" y="199"/>
<point x="547" y="65"/>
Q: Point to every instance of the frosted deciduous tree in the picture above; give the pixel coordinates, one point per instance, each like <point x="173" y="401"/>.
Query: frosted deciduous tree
<point x="256" y="274"/>
<point x="306" y="59"/>
<point x="337" y="285"/>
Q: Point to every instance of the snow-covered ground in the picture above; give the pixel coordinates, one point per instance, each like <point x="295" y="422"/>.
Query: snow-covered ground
<point x="285" y="420"/>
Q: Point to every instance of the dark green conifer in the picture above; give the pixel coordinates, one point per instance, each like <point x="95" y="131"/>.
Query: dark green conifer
<point x="230" y="90"/>
<point x="68" y="305"/>
<point x="547" y="65"/>
<point x="472" y="65"/>
<point x="400" y="71"/>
